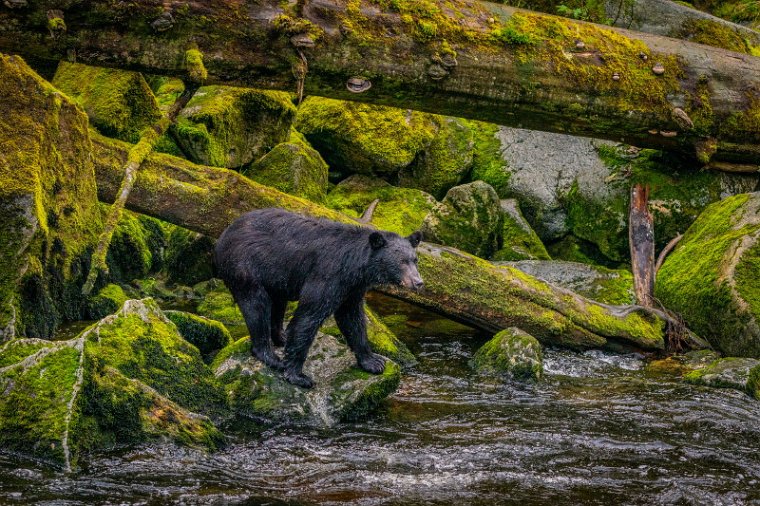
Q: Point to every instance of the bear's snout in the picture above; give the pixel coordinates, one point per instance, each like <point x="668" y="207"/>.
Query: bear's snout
<point x="413" y="282"/>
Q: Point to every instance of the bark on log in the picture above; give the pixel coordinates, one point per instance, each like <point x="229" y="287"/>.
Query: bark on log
<point x="641" y="239"/>
<point x="458" y="285"/>
<point x="458" y="57"/>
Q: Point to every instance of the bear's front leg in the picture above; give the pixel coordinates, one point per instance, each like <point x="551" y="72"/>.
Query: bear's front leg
<point x="352" y="323"/>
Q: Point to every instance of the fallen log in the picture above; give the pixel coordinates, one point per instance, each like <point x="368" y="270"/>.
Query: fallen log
<point x="458" y="285"/>
<point x="457" y="57"/>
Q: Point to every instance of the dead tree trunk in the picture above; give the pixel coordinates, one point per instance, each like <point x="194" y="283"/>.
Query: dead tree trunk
<point x="457" y="57"/>
<point x="641" y="238"/>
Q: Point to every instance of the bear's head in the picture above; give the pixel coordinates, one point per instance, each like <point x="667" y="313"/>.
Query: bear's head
<point x="394" y="260"/>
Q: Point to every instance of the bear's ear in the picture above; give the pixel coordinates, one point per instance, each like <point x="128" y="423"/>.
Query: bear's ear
<point x="415" y="238"/>
<point x="376" y="240"/>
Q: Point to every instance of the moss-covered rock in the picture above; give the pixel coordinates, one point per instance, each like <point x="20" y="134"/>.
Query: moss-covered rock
<point x="356" y="138"/>
<point x="469" y="218"/>
<point x="218" y="304"/>
<point x="680" y="365"/>
<point x="49" y="216"/>
<point x="444" y="162"/>
<point x="119" y="103"/>
<point x="189" y="257"/>
<point x="292" y="167"/>
<point x="712" y="278"/>
<point x="736" y="373"/>
<point x="107" y="301"/>
<point x="230" y="127"/>
<point x="342" y="391"/>
<point x="399" y="210"/>
<point x="610" y="286"/>
<point x="511" y="351"/>
<point x="129" y="378"/>
<point x="519" y="240"/>
<point x="208" y="336"/>
<point x="136" y="248"/>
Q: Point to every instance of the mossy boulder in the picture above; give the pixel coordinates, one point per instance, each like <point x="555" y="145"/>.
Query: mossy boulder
<point x="127" y="379"/>
<point x="137" y="247"/>
<point x="443" y="163"/>
<point x="741" y="374"/>
<point x="356" y="138"/>
<point x="342" y="391"/>
<point x="712" y="278"/>
<point x="469" y="218"/>
<point x="119" y="103"/>
<point x="519" y="240"/>
<point x="218" y="304"/>
<point x="230" y="127"/>
<point x="399" y="210"/>
<point x="107" y="301"/>
<point x="189" y="256"/>
<point x="208" y="336"/>
<point x="49" y="215"/>
<point x="610" y="286"/>
<point x="512" y="351"/>
<point x="292" y="167"/>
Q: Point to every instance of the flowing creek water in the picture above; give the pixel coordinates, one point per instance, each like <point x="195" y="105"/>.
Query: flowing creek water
<point x="598" y="430"/>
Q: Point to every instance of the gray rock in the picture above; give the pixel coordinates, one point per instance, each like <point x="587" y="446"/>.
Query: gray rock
<point x="736" y="373"/>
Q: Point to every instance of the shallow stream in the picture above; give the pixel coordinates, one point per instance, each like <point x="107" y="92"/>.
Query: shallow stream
<point x="598" y="430"/>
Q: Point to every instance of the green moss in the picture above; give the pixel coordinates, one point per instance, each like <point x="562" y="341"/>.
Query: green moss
<point x="208" y="336"/>
<point x="229" y="127"/>
<point x="220" y="306"/>
<point x="519" y="241"/>
<point x="107" y="301"/>
<point x="693" y="280"/>
<point x="400" y="210"/>
<point x="119" y="103"/>
<point x="367" y="399"/>
<point x="753" y="383"/>
<point x="731" y="372"/>
<point x="196" y="71"/>
<point x="712" y="33"/>
<point x="48" y="203"/>
<point x="292" y="167"/>
<point x="189" y="257"/>
<point x="364" y="139"/>
<point x="513" y="352"/>
<point x="129" y="255"/>
<point x="488" y="164"/>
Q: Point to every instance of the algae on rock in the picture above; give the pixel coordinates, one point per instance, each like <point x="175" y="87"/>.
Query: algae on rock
<point x="399" y="210"/>
<point x="712" y="278"/>
<point x="519" y="240"/>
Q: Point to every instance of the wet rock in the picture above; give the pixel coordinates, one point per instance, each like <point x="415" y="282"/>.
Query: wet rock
<point x="230" y="127"/>
<point x="137" y="247"/>
<point x="342" y="391"/>
<point x="683" y="364"/>
<point x="119" y="103"/>
<point x="712" y="278"/>
<point x="399" y="210"/>
<point x="511" y="351"/>
<point x="469" y="218"/>
<point x="189" y="256"/>
<point x="127" y="379"/>
<point x="738" y="373"/>
<point x="218" y="304"/>
<point x="208" y="336"/>
<point x="519" y="240"/>
<point x="597" y="283"/>
<point x="292" y="167"/>
<point x="49" y="213"/>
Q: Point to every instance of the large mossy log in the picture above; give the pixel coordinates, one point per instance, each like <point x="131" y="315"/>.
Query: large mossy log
<point x="457" y="57"/>
<point x="458" y="285"/>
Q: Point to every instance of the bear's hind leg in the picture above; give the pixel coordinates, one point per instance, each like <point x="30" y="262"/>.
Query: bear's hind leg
<point x="311" y="312"/>
<point x="352" y="323"/>
<point x="256" y="307"/>
<point x="278" y="314"/>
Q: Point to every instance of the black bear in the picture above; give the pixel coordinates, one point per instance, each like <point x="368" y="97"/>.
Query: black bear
<point x="270" y="256"/>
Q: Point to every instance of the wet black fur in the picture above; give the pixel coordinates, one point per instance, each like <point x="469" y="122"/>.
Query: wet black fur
<point x="270" y="256"/>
